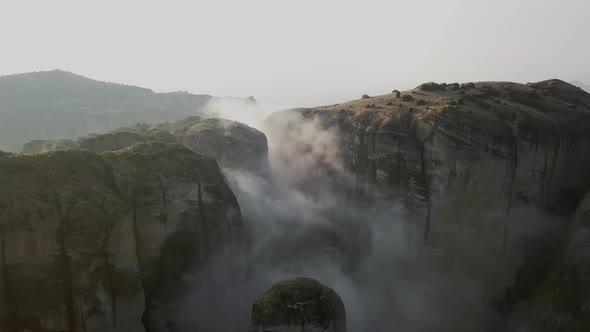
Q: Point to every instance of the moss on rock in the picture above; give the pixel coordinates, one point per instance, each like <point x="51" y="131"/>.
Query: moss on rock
<point x="303" y="303"/>
<point x="233" y="144"/>
<point x="103" y="234"/>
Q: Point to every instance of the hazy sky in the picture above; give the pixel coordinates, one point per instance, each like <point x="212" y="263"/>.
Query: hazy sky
<point x="299" y="52"/>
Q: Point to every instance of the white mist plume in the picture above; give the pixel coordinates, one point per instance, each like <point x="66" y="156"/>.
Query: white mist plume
<point x="246" y="111"/>
<point x="303" y="223"/>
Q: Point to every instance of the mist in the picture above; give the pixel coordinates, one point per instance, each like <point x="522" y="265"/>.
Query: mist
<point x="307" y="220"/>
<point x="452" y="207"/>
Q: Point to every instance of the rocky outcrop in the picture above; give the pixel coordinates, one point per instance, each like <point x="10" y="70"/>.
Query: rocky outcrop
<point x="36" y="146"/>
<point x="561" y="300"/>
<point x="490" y="173"/>
<point x="106" y="242"/>
<point x="301" y="304"/>
<point x="577" y="264"/>
<point x="233" y="144"/>
<point x="111" y="141"/>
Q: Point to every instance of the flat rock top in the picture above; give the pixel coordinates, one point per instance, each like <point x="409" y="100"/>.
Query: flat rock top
<point x="548" y="106"/>
<point x="82" y="168"/>
<point x="222" y="127"/>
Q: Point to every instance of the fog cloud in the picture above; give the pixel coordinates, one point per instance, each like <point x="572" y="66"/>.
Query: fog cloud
<point x="299" y="226"/>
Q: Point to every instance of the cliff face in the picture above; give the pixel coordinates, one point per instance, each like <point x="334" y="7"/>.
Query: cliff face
<point x="111" y="142"/>
<point x="233" y="144"/>
<point x="485" y="170"/>
<point x="106" y="242"/>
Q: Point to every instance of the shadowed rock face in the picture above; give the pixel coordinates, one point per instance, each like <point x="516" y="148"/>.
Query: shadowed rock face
<point x="563" y="298"/>
<point x="105" y="242"/>
<point x="301" y="304"/>
<point x="233" y="144"/>
<point x="491" y="173"/>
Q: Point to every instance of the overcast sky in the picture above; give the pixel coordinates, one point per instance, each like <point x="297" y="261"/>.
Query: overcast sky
<point x="301" y="52"/>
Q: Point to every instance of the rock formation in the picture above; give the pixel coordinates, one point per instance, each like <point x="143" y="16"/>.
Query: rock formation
<point x="301" y="304"/>
<point x="233" y="144"/>
<point x="485" y="169"/>
<point x="48" y="145"/>
<point x="492" y="177"/>
<point x="561" y="302"/>
<point x="106" y="242"/>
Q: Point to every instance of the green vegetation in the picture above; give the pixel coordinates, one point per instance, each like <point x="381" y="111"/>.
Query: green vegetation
<point x="562" y="292"/>
<point x="365" y="96"/>
<point x="76" y="106"/>
<point x="407" y="98"/>
<point x="454" y="86"/>
<point x="489" y="91"/>
<point x="420" y="102"/>
<point x="550" y="89"/>
<point x="467" y="86"/>
<point x="432" y="86"/>
<point x="397" y="93"/>
<point x="315" y="306"/>
<point x="449" y="108"/>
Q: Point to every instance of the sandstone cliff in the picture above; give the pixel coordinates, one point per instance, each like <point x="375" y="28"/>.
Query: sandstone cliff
<point x="488" y="174"/>
<point x="233" y="144"/>
<point x="106" y="242"/>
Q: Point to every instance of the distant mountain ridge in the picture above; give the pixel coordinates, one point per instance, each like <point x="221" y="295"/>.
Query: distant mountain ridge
<point x="59" y="104"/>
<point x="57" y="85"/>
<point x="582" y="86"/>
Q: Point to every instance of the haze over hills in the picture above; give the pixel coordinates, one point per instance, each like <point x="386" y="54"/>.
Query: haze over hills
<point x="59" y="104"/>
<point x="415" y="207"/>
<point x="582" y="86"/>
<point x="406" y="166"/>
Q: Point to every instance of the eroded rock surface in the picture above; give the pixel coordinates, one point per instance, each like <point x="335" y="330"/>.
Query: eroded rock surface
<point x="300" y="304"/>
<point x="488" y="174"/>
<point x="233" y="144"/>
<point x="106" y="242"/>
